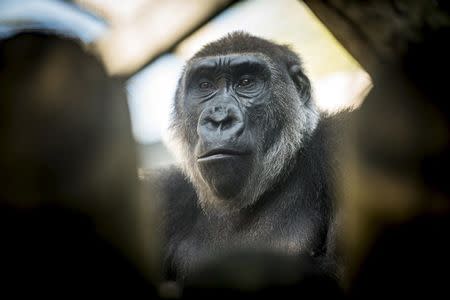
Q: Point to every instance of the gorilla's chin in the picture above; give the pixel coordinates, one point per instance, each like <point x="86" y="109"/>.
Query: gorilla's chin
<point x="226" y="175"/>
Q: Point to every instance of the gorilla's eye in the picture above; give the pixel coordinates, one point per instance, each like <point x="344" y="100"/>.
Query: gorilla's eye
<point x="204" y="85"/>
<point x="243" y="82"/>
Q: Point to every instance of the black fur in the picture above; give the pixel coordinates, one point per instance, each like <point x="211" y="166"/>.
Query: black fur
<point x="293" y="213"/>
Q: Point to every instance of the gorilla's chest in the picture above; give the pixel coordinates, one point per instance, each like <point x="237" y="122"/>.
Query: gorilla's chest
<point x="209" y="240"/>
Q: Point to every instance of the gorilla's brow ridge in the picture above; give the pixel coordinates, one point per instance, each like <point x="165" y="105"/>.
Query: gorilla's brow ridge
<point x="248" y="61"/>
<point x="259" y="55"/>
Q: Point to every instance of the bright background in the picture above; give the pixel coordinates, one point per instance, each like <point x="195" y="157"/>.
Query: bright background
<point x="148" y="41"/>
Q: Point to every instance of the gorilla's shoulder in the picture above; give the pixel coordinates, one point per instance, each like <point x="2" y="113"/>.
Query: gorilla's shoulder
<point x="326" y="140"/>
<point x="331" y="128"/>
<point x="169" y="183"/>
<point x="330" y="123"/>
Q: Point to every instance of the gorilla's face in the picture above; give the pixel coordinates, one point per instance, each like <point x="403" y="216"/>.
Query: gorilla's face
<point x="224" y="95"/>
<point x="240" y="119"/>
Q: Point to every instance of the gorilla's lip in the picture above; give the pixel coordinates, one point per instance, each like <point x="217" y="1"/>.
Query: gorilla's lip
<point x="220" y="153"/>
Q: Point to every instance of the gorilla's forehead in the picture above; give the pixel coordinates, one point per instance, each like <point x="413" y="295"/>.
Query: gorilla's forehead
<point x="228" y="61"/>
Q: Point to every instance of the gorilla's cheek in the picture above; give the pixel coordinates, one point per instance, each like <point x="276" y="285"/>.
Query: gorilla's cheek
<point x="227" y="175"/>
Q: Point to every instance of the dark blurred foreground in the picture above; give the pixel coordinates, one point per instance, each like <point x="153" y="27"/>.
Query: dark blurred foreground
<point x="395" y="191"/>
<point x="68" y="198"/>
<point x="74" y="220"/>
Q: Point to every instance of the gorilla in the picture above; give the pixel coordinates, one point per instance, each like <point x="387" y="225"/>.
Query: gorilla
<point x="255" y="170"/>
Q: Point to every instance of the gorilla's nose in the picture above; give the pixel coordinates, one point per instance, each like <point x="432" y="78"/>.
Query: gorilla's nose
<point x="221" y="122"/>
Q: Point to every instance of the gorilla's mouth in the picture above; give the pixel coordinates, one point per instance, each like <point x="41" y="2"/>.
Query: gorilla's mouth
<point x="220" y="153"/>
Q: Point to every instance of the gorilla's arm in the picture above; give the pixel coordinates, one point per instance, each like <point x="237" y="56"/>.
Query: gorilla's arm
<point x="174" y="198"/>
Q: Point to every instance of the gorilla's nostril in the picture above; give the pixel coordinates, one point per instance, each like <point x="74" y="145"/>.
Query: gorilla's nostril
<point x="227" y="123"/>
<point x="210" y="123"/>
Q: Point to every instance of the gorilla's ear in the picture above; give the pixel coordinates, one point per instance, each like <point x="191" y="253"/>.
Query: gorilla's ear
<point x="301" y="82"/>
